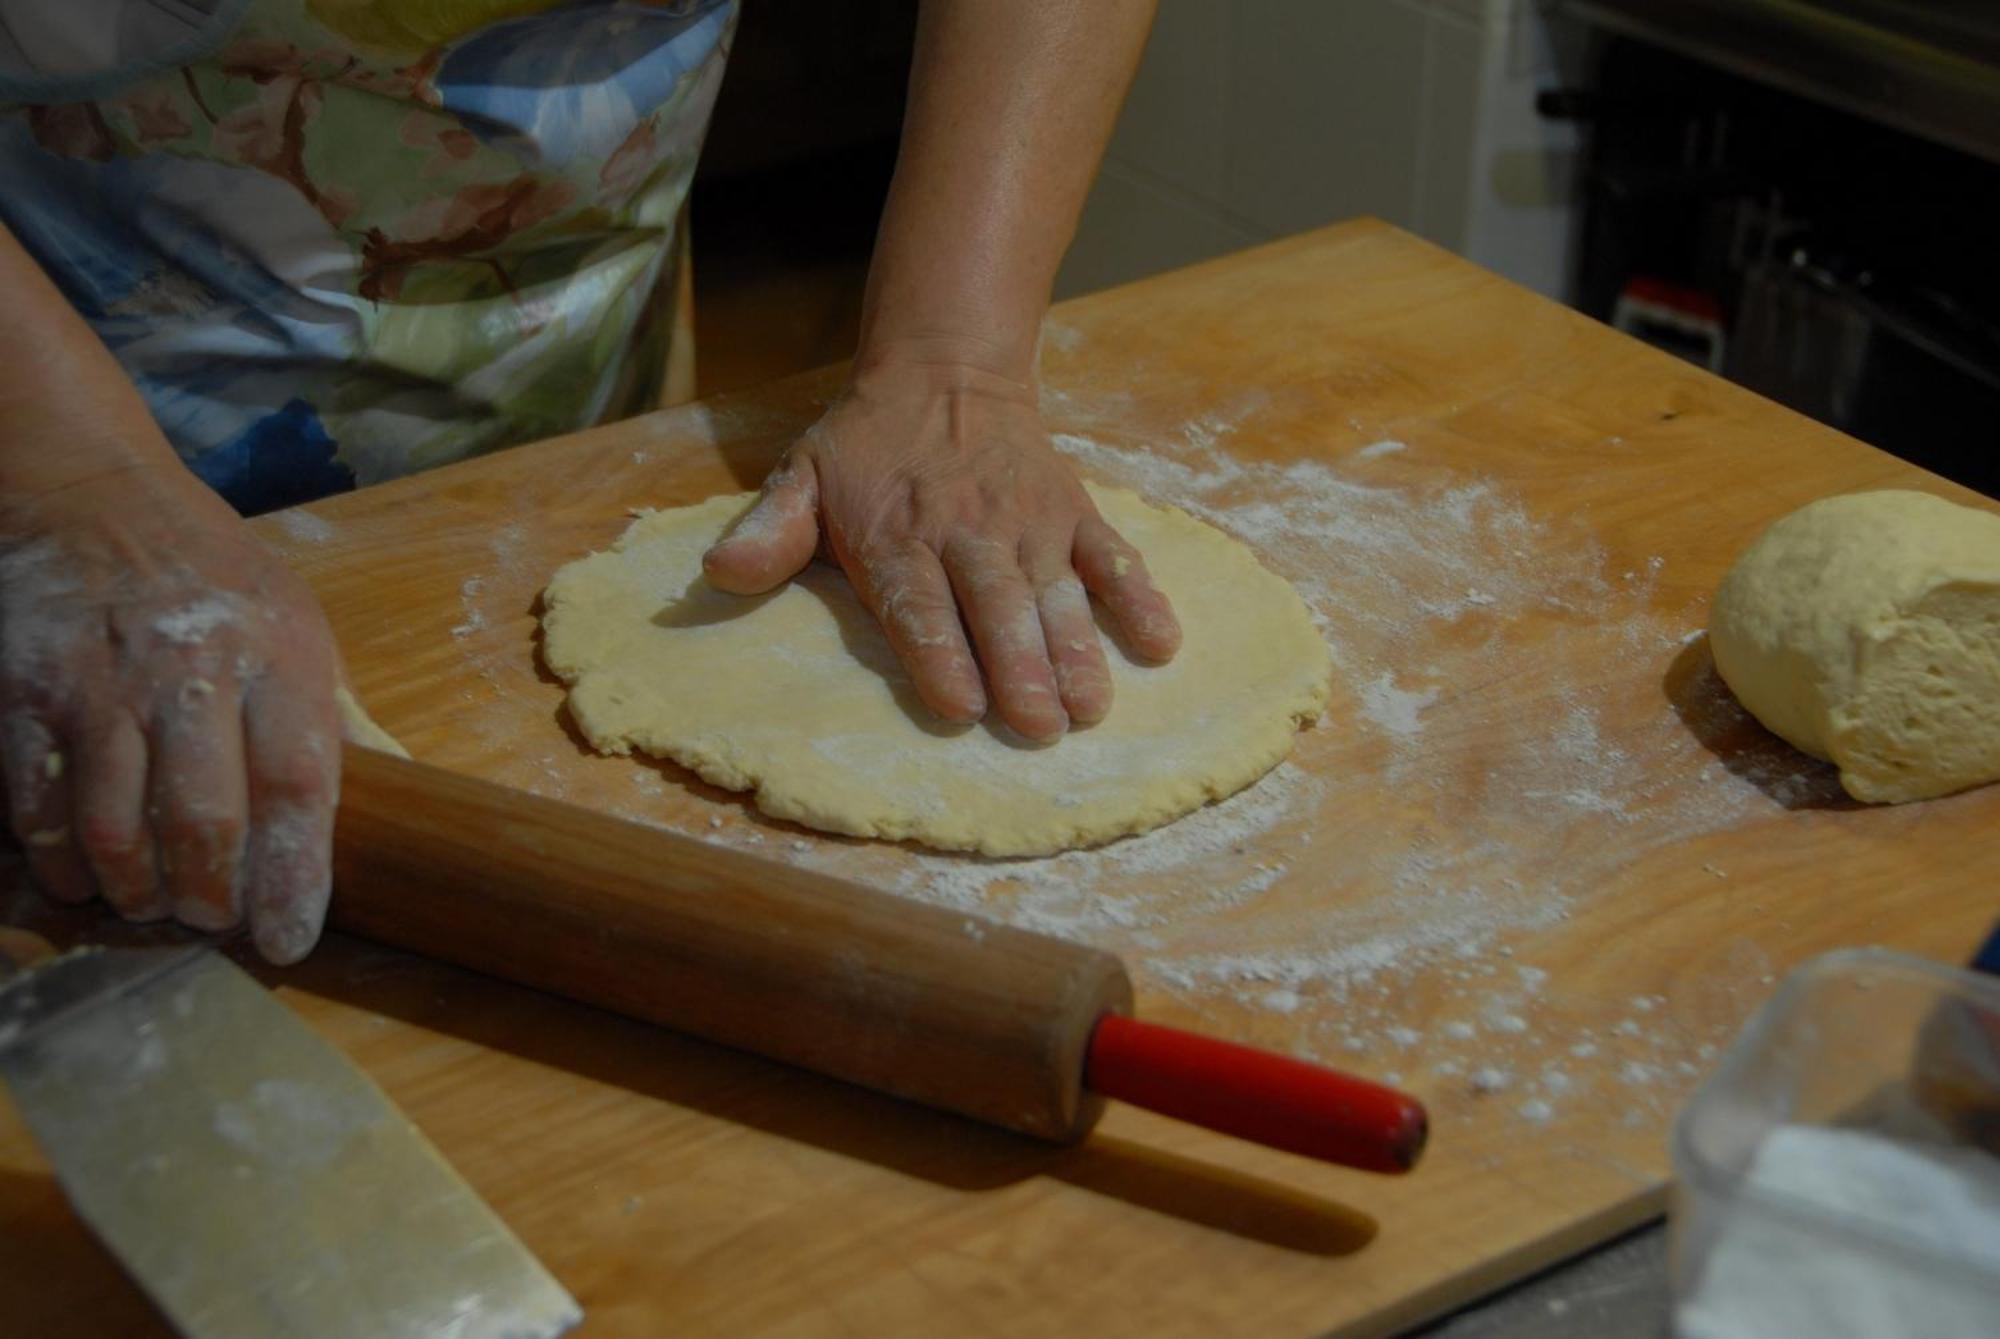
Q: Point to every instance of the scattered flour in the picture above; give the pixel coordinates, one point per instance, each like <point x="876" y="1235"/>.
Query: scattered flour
<point x="1395" y="709"/>
<point x="1448" y="607"/>
<point x="1067" y="894"/>
<point x="305" y="527"/>
<point x="1416" y="587"/>
<point x="1061" y="336"/>
<point x="475" y="617"/>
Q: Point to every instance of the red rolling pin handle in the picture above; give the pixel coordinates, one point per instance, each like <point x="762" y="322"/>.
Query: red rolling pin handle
<point x="1269" y="1099"/>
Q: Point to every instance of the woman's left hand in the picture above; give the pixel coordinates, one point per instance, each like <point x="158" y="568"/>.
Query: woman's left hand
<point x="937" y="491"/>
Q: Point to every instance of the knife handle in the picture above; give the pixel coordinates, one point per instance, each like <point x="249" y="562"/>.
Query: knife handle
<point x="1257" y="1095"/>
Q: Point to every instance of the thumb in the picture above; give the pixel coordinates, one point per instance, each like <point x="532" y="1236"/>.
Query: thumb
<point x="775" y="539"/>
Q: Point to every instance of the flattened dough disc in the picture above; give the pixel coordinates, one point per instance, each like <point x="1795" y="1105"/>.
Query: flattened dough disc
<point x="798" y="697"/>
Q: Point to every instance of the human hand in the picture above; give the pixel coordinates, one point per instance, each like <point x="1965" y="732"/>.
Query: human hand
<point x="168" y="733"/>
<point x="937" y="491"/>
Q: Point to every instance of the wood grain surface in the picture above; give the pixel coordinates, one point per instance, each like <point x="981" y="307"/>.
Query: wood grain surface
<point x="921" y="1002"/>
<point x="1533" y="865"/>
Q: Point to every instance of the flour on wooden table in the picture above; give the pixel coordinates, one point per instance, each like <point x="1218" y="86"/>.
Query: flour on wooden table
<point x="468" y="598"/>
<point x="1393" y="708"/>
<point x="1415" y="574"/>
<point x="305" y="527"/>
<point x="1066" y="895"/>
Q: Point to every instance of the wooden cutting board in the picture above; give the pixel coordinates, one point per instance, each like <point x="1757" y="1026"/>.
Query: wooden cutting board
<point x="1534" y="864"/>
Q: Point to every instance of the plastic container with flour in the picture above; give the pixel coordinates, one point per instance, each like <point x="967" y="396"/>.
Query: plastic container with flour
<point x="1839" y="1173"/>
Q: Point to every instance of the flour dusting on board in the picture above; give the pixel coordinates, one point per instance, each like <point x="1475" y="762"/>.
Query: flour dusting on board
<point x="1416" y="576"/>
<point x="1376" y="901"/>
<point x="305" y="527"/>
<point x="1396" y="709"/>
<point x="1066" y="894"/>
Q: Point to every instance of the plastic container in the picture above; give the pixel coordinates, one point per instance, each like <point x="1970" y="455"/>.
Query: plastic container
<point x="1839" y="1172"/>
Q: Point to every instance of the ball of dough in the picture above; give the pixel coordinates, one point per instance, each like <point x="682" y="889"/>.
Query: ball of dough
<point x="1865" y="629"/>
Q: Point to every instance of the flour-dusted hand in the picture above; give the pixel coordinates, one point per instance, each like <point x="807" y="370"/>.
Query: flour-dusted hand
<point x="938" y="493"/>
<point x="168" y="733"/>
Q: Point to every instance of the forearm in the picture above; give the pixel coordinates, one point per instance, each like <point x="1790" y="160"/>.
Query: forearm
<point x="67" y="410"/>
<point x="1011" y="102"/>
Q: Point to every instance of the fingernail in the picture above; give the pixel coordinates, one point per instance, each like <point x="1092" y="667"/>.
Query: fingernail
<point x="1049" y="732"/>
<point x="147" y="912"/>
<point x="57" y="873"/>
<point x="285" y="941"/>
<point x="200" y="914"/>
<point x="291" y="889"/>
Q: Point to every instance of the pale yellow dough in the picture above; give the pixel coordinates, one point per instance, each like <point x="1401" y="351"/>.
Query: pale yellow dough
<point x="1865" y="629"/>
<point x="797" y="696"/>
<point x="356" y="724"/>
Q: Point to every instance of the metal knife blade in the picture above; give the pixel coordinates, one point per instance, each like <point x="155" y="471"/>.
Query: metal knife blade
<point x="251" y="1178"/>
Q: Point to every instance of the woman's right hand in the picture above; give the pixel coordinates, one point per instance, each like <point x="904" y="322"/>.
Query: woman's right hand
<point x="169" y="738"/>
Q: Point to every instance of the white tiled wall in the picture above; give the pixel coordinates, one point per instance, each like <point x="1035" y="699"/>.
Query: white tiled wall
<point x="1251" y="119"/>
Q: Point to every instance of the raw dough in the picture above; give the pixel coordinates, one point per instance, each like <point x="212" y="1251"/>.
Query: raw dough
<point x="1865" y="629"/>
<point x="357" y="725"/>
<point x="797" y="696"/>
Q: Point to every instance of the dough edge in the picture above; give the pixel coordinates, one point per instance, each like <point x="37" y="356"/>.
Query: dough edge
<point x="360" y="728"/>
<point x="1186" y="795"/>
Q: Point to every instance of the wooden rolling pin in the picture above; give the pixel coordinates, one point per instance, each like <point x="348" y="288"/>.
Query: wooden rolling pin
<point x="1018" y="1029"/>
